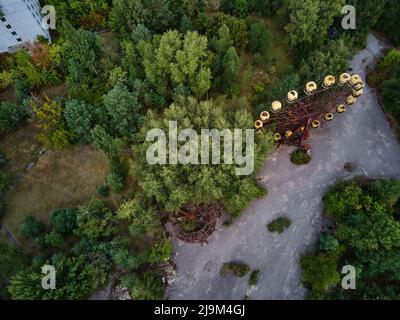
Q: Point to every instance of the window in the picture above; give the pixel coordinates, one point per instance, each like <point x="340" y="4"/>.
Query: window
<point x="14" y="33"/>
<point x="19" y="39"/>
<point x="8" y="26"/>
<point x="3" y="19"/>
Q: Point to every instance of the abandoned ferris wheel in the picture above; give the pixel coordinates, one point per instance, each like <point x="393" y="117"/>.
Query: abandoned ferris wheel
<point x="292" y="119"/>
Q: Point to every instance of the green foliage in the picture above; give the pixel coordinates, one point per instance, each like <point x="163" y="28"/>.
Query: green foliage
<point x="320" y="271"/>
<point x="145" y="286"/>
<point x="32" y="228"/>
<point x="170" y="61"/>
<point x="254" y="277"/>
<point x="330" y="59"/>
<point x="173" y="186"/>
<point x="259" y="38"/>
<point x="12" y="261"/>
<point x="64" y="221"/>
<point x="4" y="182"/>
<point x="238" y="269"/>
<point x="116" y="181"/>
<point x="310" y="20"/>
<point x="210" y="25"/>
<point x="53" y="239"/>
<point x="186" y="24"/>
<point x="143" y="217"/>
<point x="125" y="16"/>
<point x="103" y="191"/>
<point x="49" y="116"/>
<point x="388" y="22"/>
<point x="231" y="67"/>
<point x="265" y="7"/>
<point x="95" y="220"/>
<point x="123" y="109"/>
<point x="328" y="243"/>
<point x="6" y="79"/>
<point x="160" y="252"/>
<point x="76" y="280"/>
<point x="11" y="116"/>
<point x="367" y="236"/>
<point x="288" y="82"/>
<point x="104" y="142"/>
<point x="279" y="225"/>
<point x="81" y="54"/>
<point x="79" y="118"/>
<point x="300" y="157"/>
<point x="89" y="14"/>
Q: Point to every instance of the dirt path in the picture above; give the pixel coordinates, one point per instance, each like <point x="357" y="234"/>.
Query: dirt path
<point x="362" y="136"/>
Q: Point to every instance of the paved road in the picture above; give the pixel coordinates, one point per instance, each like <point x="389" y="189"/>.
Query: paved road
<point x="361" y="136"/>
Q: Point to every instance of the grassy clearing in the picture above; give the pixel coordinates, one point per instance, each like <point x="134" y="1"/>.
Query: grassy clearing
<point x="20" y="148"/>
<point x="279" y="49"/>
<point x="65" y="178"/>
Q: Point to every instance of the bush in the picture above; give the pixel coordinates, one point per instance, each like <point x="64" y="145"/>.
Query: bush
<point x="320" y="271"/>
<point x="238" y="269"/>
<point x="279" y="225"/>
<point x="64" y="221"/>
<point x="328" y="243"/>
<point x="300" y="157"/>
<point x="4" y="182"/>
<point x="52" y="239"/>
<point x="259" y="38"/>
<point x="116" y="181"/>
<point x="146" y="286"/>
<point x="254" y="277"/>
<point x="103" y="191"/>
<point x="32" y="228"/>
<point x="11" y="116"/>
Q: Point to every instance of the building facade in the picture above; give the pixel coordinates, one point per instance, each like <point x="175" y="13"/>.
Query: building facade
<point x="20" y="22"/>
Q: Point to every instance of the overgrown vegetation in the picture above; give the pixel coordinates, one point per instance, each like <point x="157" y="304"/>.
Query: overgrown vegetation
<point x="238" y="269"/>
<point x="185" y="61"/>
<point x="387" y="80"/>
<point x="300" y="157"/>
<point x="279" y="225"/>
<point x="366" y="236"/>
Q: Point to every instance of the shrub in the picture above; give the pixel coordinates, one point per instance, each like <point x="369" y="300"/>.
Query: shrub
<point x="320" y="271"/>
<point x="103" y="191"/>
<point x="116" y="181"/>
<point x="328" y="243"/>
<point x="238" y="269"/>
<point x="160" y="252"/>
<point x="254" y="277"/>
<point x="32" y="228"/>
<point x="146" y="286"/>
<point x="279" y="225"/>
<point x="4" y="182"/>
<point x="53" y="239"/>
<point x="300" y="157"/>
<point x="11" y="116"/>
<point x="64" y="221"/>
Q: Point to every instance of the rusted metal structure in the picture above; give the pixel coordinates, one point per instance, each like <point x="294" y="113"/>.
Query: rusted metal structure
<point x="306" y="109"/>
<point x="205" y="216"/>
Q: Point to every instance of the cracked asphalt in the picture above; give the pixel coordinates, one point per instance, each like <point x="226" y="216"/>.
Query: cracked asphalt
<point x="361" y="136"/>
